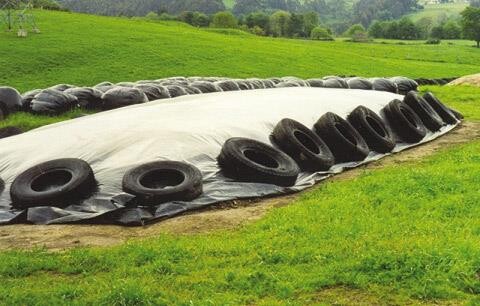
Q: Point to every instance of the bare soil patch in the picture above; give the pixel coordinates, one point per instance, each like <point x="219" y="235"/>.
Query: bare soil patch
<point x="221" y="216"/>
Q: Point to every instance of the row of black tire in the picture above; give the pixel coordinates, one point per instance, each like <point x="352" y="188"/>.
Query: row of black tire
<point x="441" y="82"/>
<point x="295" y="148"/>
<point x="104" y="96"/>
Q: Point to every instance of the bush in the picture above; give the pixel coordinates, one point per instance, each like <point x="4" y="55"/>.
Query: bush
<point x="257" y="31"/>
<point x="152" y="16"/>
<point x="360" y="37"/>
<point x="320" y="33"/>
<point x="224" y="20"/>
<point x="433" y="41"/>
<point x="356" y="28"/>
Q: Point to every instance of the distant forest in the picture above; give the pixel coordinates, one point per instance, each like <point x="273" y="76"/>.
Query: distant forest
<point x="142" y="7"/>
<point x="359" y="11"/>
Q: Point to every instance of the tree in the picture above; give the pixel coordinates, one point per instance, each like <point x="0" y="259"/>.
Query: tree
<point x="471" y="24"/>
<point x="224" y="20"/>
<point x="320" y="33"/>
<point x="186" y="17"/>
<point x="354" y="29"/>
<point x="279" y="23"/>
<point x="258" y="19"/>
<point x="407" y="29"/>
<point x="200" y="20"/>
<point x="377" y="29"/>
<point x="295" y="26"/>
<point x="425" y="25"/>
<point x="451" y="30"/>
<point x="310" y="21"/>
<point x="437" y="32"/>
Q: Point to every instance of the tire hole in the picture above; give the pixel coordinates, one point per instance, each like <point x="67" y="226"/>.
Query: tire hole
<point x="261" y="158"/>
<point x="409" y="116"/>
<point x="306" y="141"/>
<point x="346" y="133"/>
<point x="159" y="179"/>
<point x="51" y="180"/>
<point x="376" y="126"/>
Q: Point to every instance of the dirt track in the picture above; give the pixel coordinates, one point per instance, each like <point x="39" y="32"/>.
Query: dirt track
<point x="222" y="216"/>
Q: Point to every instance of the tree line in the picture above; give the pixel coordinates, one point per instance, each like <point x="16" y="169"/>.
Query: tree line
<point x="278" y="24"/>
<point x="142" y="7"/>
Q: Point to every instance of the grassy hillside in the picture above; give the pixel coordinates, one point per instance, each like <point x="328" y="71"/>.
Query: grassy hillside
<point x="84" y="50"/>
<point x="439" y="11"/>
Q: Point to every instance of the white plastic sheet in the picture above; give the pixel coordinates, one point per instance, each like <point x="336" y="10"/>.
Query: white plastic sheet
<point x="188" y="128"/>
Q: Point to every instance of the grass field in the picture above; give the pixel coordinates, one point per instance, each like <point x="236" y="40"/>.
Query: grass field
<point x="405" y="234"/>
<point x="84" y="50"/>
<point x="439" y="11"/>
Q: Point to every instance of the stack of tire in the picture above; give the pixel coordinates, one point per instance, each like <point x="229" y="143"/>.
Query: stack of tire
<point x="62" y="98"/>
<point x="333" y="140"/>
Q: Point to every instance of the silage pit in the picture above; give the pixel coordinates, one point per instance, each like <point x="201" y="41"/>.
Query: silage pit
<point x="192" y="130"/>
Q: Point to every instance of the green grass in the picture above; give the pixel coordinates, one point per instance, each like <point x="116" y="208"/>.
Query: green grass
<point x="85" y="50"/>
<point x="404" y="234"/>
<point x="439" y="11"/>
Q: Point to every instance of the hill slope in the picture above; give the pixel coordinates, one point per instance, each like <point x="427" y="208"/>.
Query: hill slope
<point x="439" y="12"/>
<point x="84" y="49"/>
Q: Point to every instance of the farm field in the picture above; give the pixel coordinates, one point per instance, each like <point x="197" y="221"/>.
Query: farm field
<point x="438" y="11"/>
<point x="404" y="234"/>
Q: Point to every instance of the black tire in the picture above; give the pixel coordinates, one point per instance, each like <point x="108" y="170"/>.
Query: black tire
<point x="206" y="87"/>
<point x="9" y="131"/>
<point x="268" y="84"/>
<point x="27" y="98"/>
<point x="381" y="84"/>
<point x="163" y="181"/>
<point x="3" y="111"/>
<point x="315" y="82"/>
<point x="404" y="85"/>
<point x="88" y="98"/>
<point x="372" y="128"/>
<point x="287" y="84"/>
<point x="176" y="91"/>
<point x="303" y="145"/>
<point x="404" y="122"/>
<point x="359" y="83"/>
<point x="249" y="160"/>
<point x="427" y="114"/>
<point x="123" y="96"/>
<point x="59" y="182"/>
<point x="192" y="90"/>
<point x="443" y="111"/>
<point x="10" y="98"/>
<point x="227" y="85"/>
<point x="335" y="83"/>
<point x="341" y="137"/>
<point x="153" y="91"/>
<point x="52" y="102"/>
